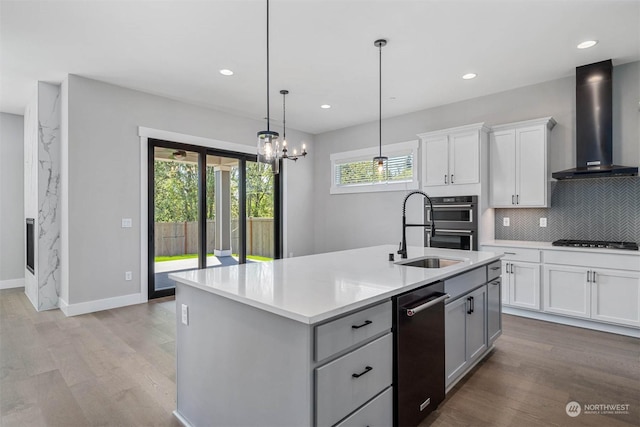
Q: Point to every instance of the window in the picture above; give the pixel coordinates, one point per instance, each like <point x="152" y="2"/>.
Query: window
<point x="354" y="171"/>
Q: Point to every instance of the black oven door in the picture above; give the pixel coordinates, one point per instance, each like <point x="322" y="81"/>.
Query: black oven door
<point x="452" y="239"/>
<point x="451" y="213"/>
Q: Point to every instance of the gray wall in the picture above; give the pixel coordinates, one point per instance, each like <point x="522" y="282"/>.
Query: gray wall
<point x="104" y="179"/>
<point x="356" y="220"/>
<point x="11" y="197"/>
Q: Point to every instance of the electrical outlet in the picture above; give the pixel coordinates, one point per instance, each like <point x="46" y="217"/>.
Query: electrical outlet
<point x="185" y="314"/>
<point x="128" y="275"/>
<point x="506" y="222"/>
<point x="127" y="223"/>
<point x="543" y="222"/>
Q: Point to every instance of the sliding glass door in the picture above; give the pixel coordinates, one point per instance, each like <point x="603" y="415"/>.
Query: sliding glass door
<point x="208" y="208"/>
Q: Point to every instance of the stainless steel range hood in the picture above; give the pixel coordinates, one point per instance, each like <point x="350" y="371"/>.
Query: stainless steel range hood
<point x="594" y="131"/>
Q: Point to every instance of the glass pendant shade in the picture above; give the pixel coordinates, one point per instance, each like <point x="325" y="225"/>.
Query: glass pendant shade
<point x="268" y="148"/>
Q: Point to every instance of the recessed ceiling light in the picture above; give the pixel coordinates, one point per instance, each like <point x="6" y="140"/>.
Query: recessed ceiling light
<point x="470" y="76"/>
<point x="226" y="72"/>
<point x="325" y="106"/>
<point x="587" y="44"/>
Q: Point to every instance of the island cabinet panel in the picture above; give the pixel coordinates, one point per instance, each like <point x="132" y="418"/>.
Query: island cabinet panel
<point x="348" y="331"/>
<point x="350" y="381"/>
<point x="377" y="413"/>
<point x="240" y="366"/>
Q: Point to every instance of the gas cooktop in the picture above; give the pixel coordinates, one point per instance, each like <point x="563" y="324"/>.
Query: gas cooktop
<point x="597" y="244"/>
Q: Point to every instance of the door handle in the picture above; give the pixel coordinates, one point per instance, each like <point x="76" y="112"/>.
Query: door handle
<point x="517" y="199"/>
<point x="511" y="269"/>
<point x="452" y="178"/>
<point x="445" y="179"/>
<point x="513" y="199"/>
<point x="366" y="369"/>
<point x="413" y="311"/>
<point x="469" y="302"/>
<point x="588" y="276"/>
<point x="593" y="277"/>
<point x="473" y="304"/>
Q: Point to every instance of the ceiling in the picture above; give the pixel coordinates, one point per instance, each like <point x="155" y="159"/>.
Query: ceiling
<point x="321" y="51"/>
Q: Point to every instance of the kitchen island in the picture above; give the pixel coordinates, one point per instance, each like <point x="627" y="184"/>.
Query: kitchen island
<point x="265" y="343"/>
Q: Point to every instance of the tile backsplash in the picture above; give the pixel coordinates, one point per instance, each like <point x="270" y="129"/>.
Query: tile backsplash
<point x="589" y="209"/>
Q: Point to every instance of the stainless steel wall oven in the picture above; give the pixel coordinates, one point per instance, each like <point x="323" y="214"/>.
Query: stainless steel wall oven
<point x="456" y="223"/>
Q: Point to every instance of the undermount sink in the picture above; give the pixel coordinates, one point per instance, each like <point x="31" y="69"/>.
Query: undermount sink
<point x="431" y="262"/>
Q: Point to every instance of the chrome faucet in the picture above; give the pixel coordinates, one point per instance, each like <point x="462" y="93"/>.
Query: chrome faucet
<point x="403" y="245"/>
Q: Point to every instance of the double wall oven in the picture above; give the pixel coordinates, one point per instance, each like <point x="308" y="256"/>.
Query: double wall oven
<point x="456" y="223"/>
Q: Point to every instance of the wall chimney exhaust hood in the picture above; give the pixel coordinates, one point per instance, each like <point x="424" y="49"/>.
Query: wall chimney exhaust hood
<point x="594" y="130"/>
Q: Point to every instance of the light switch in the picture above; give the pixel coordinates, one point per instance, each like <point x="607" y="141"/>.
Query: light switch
<point x="506" y="222"/>
<point x="185" y="314"/>
<point x="127" y="223"/>
<point x="543" y="222"/>
<point x="128" y="275"/>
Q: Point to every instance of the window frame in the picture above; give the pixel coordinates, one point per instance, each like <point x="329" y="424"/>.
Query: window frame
<point x="389" y="150"/>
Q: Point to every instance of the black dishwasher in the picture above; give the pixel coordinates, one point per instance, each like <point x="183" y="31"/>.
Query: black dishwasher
<point x="419" y="359"/>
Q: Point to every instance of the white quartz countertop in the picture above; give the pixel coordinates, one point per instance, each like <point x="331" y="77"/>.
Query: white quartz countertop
<point x="548" y="246"/>
<point x="314" y="288"/>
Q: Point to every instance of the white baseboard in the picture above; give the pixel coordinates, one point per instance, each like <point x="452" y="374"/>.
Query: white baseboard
<point x="99" y="305"/>
<point x="13" y="283"/>
<point x="570" y="321"/>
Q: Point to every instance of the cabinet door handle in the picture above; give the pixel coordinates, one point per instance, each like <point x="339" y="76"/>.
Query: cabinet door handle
<point x="469" y="305"/>
<point x="452" y="178"/>
<point x="473" y="304"/>
<point x="517" y="199"/>
<point x="510" y="253"/>
<point x="513" y="199"/>
<point x="496" y="268"/>
<point x="588" y="276"/>
<point x="366" y="322"/>
<point x="366" y="369"/>
<point x="445" y="179"/>
<point x="511" y="269"/>
<point x="593" y="277"/>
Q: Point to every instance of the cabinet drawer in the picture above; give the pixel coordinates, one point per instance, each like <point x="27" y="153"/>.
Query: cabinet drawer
<point x="339" y="392"/>
<point x="460" y="285"/>
<point x="494" y="270"/>
<point x="342" y="333"/>
<point x="593" y="260"/>
<point x="517" y="254"/>
<point x="377" y="413"/>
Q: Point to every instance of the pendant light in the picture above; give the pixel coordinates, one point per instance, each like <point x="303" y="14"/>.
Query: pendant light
<point x="268" y="139"/>
<point x="285" y="151"/>
<point x="380" y="160"/>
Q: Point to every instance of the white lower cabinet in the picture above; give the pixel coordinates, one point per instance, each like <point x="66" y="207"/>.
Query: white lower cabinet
<point x="566" y="291"/>
<point x="615" y="296"/>
<point x="597" y="286"/>
<point x="465" y="332"/>
<point x="523" y="281"/>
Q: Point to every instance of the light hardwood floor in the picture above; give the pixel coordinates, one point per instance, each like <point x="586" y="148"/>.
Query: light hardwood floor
<point x="117" y="367"/>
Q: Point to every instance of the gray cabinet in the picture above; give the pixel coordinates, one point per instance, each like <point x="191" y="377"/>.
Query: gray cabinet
<point x="465" y="332"/>
<point x="494" y="310"/>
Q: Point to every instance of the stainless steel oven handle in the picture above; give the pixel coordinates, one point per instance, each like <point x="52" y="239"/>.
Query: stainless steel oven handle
<point x="446" y="230"/>
<point x="413" y="311"/>
<point x="452" y="206"/>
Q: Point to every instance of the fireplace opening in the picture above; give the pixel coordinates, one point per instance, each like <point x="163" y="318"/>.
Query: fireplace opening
<point x="30" y="245"/>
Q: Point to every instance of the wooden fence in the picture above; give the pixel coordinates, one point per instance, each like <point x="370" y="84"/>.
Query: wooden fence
<point x="178" y="238"/>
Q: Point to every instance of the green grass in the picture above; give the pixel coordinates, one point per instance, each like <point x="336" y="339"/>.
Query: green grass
<point x="191" y="256"/>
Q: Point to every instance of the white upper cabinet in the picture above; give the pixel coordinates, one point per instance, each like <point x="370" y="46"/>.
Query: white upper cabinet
<point x="518" y="168"/>
<point x="452" y="156"/>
